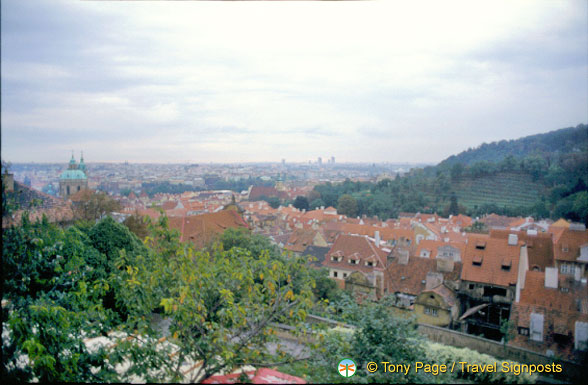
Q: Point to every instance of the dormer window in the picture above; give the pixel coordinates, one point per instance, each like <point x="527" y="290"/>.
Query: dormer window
<point x="336" y="259"/>
<point x="564" y="248"/>
<point x="481" y="245"/>
<point x="506" y="264"/>
<point x="369" y="263"/>
<point x="354" y="261"/>
<point x="477" y="261"/>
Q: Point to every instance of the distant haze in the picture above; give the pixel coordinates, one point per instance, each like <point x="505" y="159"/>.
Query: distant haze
<point x="378" y="81"/>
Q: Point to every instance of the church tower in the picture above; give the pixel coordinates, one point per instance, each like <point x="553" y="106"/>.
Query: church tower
<point x="73" y="179"/>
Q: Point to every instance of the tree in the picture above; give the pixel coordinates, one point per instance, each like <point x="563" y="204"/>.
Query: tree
<point x="347" y="205"/>
<point x="317" y="203"/>
<point x="222" y="305"/>
<point x="378" y="337"/>
<point x="92" y="205"/>
<point x="137" y="224"/>
<point x="453" y="206"/>
<point x="301" y="202"/>
<point x="53" y="288"/>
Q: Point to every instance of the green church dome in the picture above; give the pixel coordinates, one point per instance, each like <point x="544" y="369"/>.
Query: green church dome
<point x="72" y="174"/>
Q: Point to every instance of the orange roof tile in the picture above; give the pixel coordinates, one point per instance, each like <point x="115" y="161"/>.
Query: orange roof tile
<point x="483" y="260"/>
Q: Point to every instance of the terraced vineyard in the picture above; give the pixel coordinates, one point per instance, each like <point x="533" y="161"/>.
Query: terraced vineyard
<point x="503" y="189"/>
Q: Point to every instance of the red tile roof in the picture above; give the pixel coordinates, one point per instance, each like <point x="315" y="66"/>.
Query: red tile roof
<point x="490" y="270"/>
<point x="201" y="229"/>
<point x="355" y="247"/>
<point x="259" y="376"/>
<point x="411" y="278"/>
<point x="567" y="244"/>
<point x="539" y="246"/>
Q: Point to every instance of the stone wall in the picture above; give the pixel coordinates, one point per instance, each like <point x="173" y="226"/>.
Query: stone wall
<point x="571" y="370"/>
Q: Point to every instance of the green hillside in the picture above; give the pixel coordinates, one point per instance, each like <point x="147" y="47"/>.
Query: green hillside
<point x="543" y="175"/>
<point x="510" y="190"/>
<point x="548" y="145"/>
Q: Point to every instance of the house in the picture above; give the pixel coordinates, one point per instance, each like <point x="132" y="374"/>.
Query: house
<point x="551" y="316"/>
<point x="489" y="276"/>
<point x="356" y="253"/>
<point x="539" y="246"/>
<point x="570" y="250"/>
<point x="205" y="228"/>
<point x="437" y="249"/>
<point x="407" y="278"/>
<point x="437" y="306"/>
<point x="260" y="192"/>
<point x="300" y="239"/>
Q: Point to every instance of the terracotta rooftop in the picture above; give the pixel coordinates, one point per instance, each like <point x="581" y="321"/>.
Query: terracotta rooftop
<point x="539" y="246"/>
<point x="567" y="243"/>
<point x="484" y="258"/>
<point x="201" y="229"/>
<point x="355" y="248"/>
<point x="411" y="278"/>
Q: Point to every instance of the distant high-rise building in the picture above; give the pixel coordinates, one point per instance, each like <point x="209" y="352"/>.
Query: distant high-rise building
<point x="283" y="162"/>
<point x="320" y="161"/>
<point x="332" y="160"/>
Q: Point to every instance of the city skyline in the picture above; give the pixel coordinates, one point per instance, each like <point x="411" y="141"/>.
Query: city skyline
<point x="202" y="82"/>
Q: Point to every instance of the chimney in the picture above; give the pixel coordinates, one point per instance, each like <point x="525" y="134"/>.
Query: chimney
<point x="402" y="257"/>
<point x="577" y="227"/>
<point x="513" y="239"/>
<point x="377" y="236"/>
<point x="445" y="265"/>
<point x="551" y="277"/>
<point x="322" y="207"/>
<point x="433" y="280"/>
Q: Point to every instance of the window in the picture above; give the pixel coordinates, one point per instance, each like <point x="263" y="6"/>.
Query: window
<point x="354" y="261"/>
<point x="334" y="274"/>
<point x="344" y="275"/>
<point x="477" y="261"/>
<point x="369" y="263"/>
<point x="336" y="259"/>
<point x="471" y="286"/>
<point x="567" y="268"/>
<point x="523" y="331"/>
<point x="431" y="311"/>
<point x="564" y="248"/>
<point x="536" y="329"/>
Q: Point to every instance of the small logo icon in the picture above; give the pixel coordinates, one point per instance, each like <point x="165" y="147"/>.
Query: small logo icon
<point x="346" y="367"/>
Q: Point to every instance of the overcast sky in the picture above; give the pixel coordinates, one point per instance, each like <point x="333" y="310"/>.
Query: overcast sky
<point x="177" y="81"/>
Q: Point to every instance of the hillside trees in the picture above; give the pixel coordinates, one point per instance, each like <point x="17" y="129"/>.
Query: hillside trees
<point x="63" y="286"/>
<point x="54" y="284"/>
<point x="222" y="304"/>
<point x="92" y="205"/>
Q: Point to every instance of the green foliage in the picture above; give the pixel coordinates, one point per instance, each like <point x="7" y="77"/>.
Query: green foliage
<point x="443" y="354"/>
<point x="301" y="203"/>
<point x="91" y="206"/>
<point x="254" y="244"/>
<point x="222" y="303"/>
<point x="379" y="337"/>
<point x="347" y="205"/>
<point x="274" y="202"/>
<point x="317" y="203"/>
<point x="54" y="283"/>
<point x="138" y="225"/>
